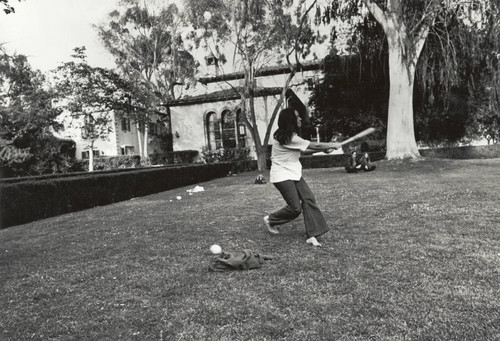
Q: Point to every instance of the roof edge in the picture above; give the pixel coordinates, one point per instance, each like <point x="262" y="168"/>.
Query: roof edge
<point x="270" y="71"/>
<point x="219" y="96"/>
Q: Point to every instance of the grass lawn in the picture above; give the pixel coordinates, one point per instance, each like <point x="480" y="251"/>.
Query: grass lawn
<point x="413" y="254"/>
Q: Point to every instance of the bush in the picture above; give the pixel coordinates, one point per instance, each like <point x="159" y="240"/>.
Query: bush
<point x="372" y="146"/>
<point x="224" y="155"/>
<point x="112" y="162"/>
<point x="176" y="157"/>
<point x="49" y="155"/>
<point x="335" y="160"/>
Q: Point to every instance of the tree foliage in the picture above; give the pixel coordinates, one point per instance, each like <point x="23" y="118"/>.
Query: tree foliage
<point x="261" y="33"/>
<point x="349" y="99"/>
<point x="441" y="44"/>
<point x="447" y="110"/>
<point x="147" y="44"/>
<point x="27" y="119"/>
<point x="355" y="90"/>
<point x="8" y="8"/>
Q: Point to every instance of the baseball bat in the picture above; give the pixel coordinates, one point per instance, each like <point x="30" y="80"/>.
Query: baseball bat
<point x="358" y="135"/>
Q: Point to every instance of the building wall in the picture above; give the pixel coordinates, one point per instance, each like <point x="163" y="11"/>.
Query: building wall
<point x="126" y="138"/>
<point x="189" y="120"/>
<point x="112" y="146"/>
<point x="73" y="131"/>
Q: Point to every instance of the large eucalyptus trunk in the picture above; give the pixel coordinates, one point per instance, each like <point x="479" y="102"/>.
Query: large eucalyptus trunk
<point x="405" y="47"/>
<point x="401" y="141"/>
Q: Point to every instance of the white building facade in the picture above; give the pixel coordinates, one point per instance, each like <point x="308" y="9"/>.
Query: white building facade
<point x="123" y="138"/>
<point x="212" y="120"/>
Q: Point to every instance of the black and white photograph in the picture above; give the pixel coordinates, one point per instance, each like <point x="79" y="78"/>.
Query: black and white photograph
<point x="237" y="170"/>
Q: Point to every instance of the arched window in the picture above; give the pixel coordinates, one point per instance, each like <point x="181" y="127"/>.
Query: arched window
<point x="213" y="132"/>
<point x="229" y="134"/>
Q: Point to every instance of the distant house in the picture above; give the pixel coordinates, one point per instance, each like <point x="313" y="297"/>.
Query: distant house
<point x="211" y="119"/>
<point x="122" y="140"/>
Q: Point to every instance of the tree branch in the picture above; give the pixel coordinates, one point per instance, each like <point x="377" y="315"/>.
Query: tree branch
<point x="377" y="13"/>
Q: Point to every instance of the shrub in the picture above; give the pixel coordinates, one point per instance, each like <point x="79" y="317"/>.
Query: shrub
<point x="49" y="155"/>
<point x="112" y="162"/>
<point x="372" y="146"/>
<point x="335" y="160"/>
<point x="224" y="155"/>
<point x="176" y="157"/>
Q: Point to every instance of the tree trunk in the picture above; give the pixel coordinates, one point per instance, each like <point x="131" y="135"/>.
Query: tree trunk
<point x="262" y="159"/>
<point x="137" y="127"/>
<point x="401" y="141"/>
<point x="146" y="130"/>
<point x="91" y="157"/>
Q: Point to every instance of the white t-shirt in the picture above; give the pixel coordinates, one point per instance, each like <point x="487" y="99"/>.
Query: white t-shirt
<point x="285" y="163"/>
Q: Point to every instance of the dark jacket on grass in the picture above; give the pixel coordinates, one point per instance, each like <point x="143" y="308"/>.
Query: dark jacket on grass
<point x="242" y="260"/>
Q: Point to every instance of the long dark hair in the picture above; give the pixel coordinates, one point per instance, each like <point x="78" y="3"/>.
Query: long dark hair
<point x="287" y="126"/>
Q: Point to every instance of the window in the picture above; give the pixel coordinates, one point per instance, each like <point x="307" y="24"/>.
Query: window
<point x="127" y="150"/>
<point x="229" y="134"/>
<point x="213" y="132"/>
<point x="85" y="154"/>
<point x="88" y="128"/>
<point x="211" y="60"/>
<point x="125" y="124"/>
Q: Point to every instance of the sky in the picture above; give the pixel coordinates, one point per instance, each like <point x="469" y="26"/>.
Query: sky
<point x="47" y="31"/>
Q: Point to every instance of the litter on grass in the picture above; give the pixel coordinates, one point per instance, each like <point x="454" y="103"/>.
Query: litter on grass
<point x="196" y="189"/>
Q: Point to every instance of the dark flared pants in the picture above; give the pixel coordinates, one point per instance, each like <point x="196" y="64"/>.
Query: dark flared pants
<point x="299" y="199"/>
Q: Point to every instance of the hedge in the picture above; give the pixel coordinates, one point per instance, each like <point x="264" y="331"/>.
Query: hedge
<point x="65" y="175"/>
<point x="30" y="200"/>
<point x="336" y="160"/>
<point x="467" y="152"/>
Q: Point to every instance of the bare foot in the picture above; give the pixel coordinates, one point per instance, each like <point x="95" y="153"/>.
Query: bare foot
<point x="269" y="227"/>
<point x="313" y="241"/>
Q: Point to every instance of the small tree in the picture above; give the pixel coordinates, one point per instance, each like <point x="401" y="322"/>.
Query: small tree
<point x="91" y="95"/>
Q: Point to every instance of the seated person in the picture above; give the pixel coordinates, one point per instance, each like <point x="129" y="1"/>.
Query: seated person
<point x="366" y="164"/>
<point x="352" y="164"/>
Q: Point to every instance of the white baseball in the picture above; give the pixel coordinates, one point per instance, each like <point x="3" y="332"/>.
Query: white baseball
<point x="215" y="249"/>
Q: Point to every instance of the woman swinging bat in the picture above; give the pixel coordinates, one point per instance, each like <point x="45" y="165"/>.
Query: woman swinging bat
<point x="286" y="176"/>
